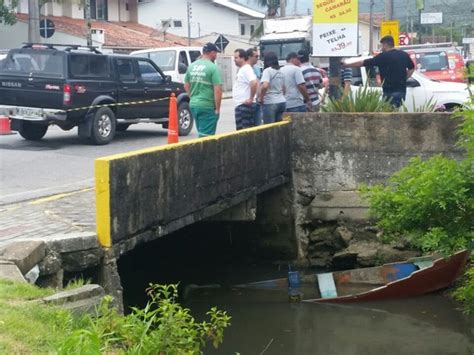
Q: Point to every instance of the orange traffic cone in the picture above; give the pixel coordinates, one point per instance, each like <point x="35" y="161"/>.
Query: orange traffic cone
<point x="173" y="120"/>
<point x="5" y="126"/>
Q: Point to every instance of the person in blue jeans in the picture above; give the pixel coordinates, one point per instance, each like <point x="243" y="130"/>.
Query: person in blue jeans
<point x="395" y="68"/>
<point x="253" y="56"/>
<point x="272" y="90"/>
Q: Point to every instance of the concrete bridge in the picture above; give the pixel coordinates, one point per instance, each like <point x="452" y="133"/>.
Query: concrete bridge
<point x="288" y="178"/>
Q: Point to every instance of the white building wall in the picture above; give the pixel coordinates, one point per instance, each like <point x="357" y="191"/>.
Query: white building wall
<point x="113" y="10"/>
<point x="206" y="17"/>
<point x="14" y="36"/>
<point x="248" y="22"/>
<point x="364" y="35"/>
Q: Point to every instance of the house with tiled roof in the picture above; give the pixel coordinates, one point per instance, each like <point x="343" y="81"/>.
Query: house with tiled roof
<point x="205" y="17"/>
<point x="114" y="26"/>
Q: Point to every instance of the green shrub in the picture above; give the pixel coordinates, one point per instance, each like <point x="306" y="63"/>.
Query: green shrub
<point x="363" y="100"/>
<point x="465" y="293"/>
<point x="162" y="327"/>
<point x="431" y="202"/>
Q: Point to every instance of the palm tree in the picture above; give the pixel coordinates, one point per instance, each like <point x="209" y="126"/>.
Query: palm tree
<point x="272" y="11"/>
<point x="271" y="5"/>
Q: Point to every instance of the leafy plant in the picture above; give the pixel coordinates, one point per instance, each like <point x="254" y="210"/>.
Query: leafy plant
<point x="465" y="293"/>
<point x="162" y="327"/>
<point x="428" y="106"/>
<point x="432" y="202"/>
<point x="7" y="12"/>
<point x="363" y="100"/>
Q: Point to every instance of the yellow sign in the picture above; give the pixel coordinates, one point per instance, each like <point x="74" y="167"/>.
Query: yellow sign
<point x="390" y="28"/>
<point x="335" y="11"/>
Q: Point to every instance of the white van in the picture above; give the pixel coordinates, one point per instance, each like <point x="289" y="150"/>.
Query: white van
<point x="173" y="61"/>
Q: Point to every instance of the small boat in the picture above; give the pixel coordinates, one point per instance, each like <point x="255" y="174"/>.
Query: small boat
<point x="414" y="277"/>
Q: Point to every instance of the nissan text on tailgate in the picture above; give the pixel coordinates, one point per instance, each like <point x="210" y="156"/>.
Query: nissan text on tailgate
<point x="80" y="87"/>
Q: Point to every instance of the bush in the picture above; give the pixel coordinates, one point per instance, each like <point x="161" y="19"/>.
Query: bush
<point x="162" y="327"/>
<point x="364" y="100"/>
<point x="432" y="202"/>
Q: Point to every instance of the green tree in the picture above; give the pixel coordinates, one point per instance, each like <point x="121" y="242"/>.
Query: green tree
<point x="7" y="13"/>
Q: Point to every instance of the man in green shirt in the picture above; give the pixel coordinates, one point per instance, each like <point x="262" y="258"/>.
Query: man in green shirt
<point x="204" y="86"/>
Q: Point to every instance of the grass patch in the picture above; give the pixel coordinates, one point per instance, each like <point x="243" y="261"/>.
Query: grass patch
<point x="28" y="326"/>
<point x="21" y="291"/>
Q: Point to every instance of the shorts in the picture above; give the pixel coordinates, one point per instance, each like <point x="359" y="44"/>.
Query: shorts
<point x="206" y="120"/>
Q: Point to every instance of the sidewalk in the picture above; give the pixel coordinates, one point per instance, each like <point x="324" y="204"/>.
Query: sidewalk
<point x="61" y="214"/>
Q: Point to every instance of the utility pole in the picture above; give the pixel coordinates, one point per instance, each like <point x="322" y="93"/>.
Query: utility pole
<point x="282" y="8"/>
<point x="388" y="9"/>
<point x="33" y="21"/>
<point x="87" y="8"/>
<point x="188" y="4"/>
<point x="371" y="27"/>
<point x="406" y="19"/>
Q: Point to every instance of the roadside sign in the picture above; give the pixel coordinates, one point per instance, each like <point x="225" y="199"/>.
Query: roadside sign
<point x="335" y="28"/>
<point x="390" y="28"/>
<point x="221" y="42"/>
<point x="46" y="28"/>
<point x="404" y="39"/>
<point x="431" y="18"/>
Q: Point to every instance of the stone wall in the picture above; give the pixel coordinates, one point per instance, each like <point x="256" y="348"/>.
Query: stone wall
<point x="145" y="194"/>
<point x="332" y="154"/>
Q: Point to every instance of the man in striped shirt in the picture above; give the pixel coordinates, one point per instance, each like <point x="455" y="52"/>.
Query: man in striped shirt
<point x="313" y="80"/>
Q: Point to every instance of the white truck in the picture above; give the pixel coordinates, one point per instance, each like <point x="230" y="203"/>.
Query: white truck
<point x="173" y="61"/>
<point x="420" y="90"/>
<point x="285" y="35"/>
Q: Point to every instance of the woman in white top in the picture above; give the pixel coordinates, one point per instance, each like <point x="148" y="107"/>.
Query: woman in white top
<point x="272" y="90"/>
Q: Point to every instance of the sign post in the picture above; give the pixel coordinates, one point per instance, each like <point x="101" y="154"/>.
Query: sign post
<point x="335" y="35"/>
<point x="221" y="42"/>
<point x="390" y="28"/>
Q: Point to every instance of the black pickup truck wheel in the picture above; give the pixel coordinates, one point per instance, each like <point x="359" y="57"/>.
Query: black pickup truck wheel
<point x="103" y="126"/>
<point x="33" y="131"/>
<point x="185" y="119"/>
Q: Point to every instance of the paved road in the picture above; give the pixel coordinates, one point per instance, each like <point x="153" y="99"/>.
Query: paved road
<point x="61" y="162"/>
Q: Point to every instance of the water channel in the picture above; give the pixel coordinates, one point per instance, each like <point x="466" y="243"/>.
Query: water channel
<point x="265" y="322"/>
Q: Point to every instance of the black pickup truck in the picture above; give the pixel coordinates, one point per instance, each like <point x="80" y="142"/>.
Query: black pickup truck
<point x="81" y="87"/>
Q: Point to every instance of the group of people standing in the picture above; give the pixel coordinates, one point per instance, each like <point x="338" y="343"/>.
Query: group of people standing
<point x="259" y="96"/>
<point x="262" y="97"/>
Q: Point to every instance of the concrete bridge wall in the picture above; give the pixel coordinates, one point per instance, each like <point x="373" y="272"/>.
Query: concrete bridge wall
<point x="332" y="154"/>
<point x="145" y="194"/>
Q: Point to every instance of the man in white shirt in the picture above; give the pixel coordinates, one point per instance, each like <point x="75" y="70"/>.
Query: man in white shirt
<point x="243" y="91"/>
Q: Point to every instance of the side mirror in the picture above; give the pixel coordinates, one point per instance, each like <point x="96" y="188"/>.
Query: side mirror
<point x="412" y="83"/>
<point x="168" y="79"/>
<point x="182" y="68"/>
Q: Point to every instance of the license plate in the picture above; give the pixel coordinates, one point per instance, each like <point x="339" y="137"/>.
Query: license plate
<point x="31" y="113"/>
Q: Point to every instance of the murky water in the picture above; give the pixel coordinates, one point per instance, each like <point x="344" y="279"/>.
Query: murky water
<point x="264" y="322"/>
<point x="425" y="325"/>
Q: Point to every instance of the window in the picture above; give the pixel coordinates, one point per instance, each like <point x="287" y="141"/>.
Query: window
<point x="252" y="29"/>
<point x="99" y="10"/>
<point x="148" y="72"/>
<point x="164" y="59"/>
<point x="432" y="61"/>
<point x="125" y="69"/>
<point x="183" y="58"/>
<point x="88" y="65"/>
<point x="242" y="29"/>
<point x="177" y="24"/>
<point x="194" y="55"/>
